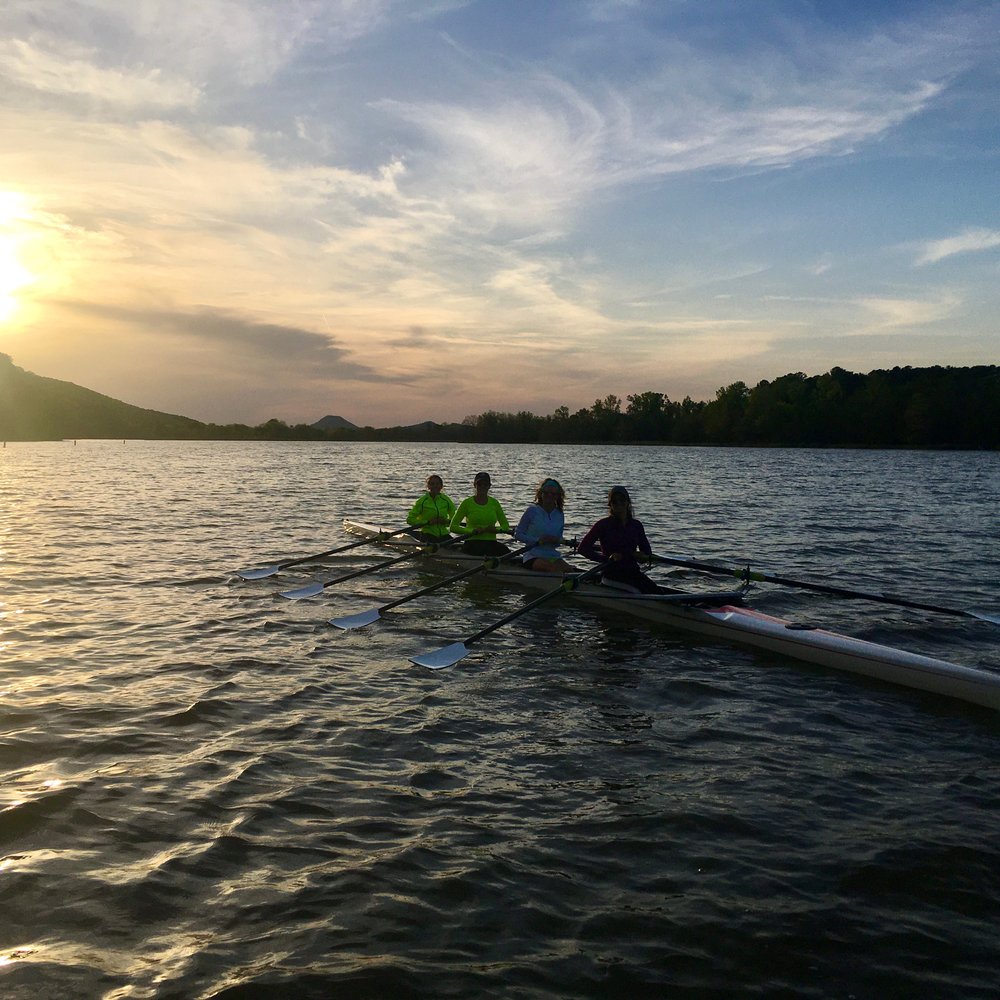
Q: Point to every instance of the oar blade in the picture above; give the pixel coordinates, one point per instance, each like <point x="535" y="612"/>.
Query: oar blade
<point x="360" y="620"/>
<point x="983" y="616"/>
<point x="311" y="590"/>
<point x="258" y="574"/>
<point x="438" y="659"/>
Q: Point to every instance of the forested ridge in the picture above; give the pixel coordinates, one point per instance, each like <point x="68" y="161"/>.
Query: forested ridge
<point x="901" y="407"/>
<point x="938" y="407"/>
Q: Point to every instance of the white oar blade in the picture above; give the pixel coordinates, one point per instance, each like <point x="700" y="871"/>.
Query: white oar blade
<point x="437" y="659"/>
<point x="985" y="617"/>
<point x="356" y="621"/>
<point x="308" y="591"/>
<point x="258" y="574"/>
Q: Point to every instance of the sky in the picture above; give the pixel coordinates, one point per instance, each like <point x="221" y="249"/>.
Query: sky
<point x="397" y="211"/>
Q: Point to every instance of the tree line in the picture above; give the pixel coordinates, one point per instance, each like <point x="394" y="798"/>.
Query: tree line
<point x="939" y="407"/>
<point x="899" y="408"/>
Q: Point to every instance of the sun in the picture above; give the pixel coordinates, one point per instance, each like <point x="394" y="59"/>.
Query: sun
<point x="13" y="274"/>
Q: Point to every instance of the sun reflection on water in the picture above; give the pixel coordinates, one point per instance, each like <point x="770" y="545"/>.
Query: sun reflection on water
<point x="16" y="954"/>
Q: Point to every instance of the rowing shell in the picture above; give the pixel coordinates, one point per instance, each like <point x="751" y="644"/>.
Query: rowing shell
<point x="730" y="622"/>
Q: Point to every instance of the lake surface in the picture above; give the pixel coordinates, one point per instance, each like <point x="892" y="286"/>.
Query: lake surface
<point x="210" y="792"/>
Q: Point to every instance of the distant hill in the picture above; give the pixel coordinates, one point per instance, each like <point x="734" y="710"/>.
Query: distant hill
<point x="330" y="423"/>
<point x="34" y="408"/>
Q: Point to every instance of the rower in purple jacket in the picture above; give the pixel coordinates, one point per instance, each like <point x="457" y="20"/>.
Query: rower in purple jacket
<point x="615" y="540"/>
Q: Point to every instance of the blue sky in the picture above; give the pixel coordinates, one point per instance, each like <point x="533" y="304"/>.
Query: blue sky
<point x="405" y="211"/>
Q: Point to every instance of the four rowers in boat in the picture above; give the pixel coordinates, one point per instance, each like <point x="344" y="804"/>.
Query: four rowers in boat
<point x="613" y="541"/>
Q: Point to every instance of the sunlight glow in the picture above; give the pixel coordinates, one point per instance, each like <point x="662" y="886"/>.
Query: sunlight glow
<point x="13" y="205"/>
<point x="13" y="274"/>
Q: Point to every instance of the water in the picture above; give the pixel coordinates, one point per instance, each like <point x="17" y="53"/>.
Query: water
<point x="209" y="792"/>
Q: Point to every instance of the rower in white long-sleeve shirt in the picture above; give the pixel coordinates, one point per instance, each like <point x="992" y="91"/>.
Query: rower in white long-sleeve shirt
<point x="541" y="526"/>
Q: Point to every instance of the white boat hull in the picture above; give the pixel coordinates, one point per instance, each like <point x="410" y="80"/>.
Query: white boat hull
<point x="732" y="623"/>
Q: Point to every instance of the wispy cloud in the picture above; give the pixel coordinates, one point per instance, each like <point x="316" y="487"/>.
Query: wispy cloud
<point x="535" y="148"/>
<point x="902" y="314"/>
<point x="161" y="54"/>
<point x="70" y="73"/>
<point x="968" y="241"/>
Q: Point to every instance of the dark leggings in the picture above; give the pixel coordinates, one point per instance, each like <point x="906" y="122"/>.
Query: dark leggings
<point x="423" y="536"/>
<point x="630" y="573"/>
<point x="484" y="547"/>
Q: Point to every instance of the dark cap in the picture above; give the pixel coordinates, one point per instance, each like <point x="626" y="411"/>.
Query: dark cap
<point x="481" y="476"/>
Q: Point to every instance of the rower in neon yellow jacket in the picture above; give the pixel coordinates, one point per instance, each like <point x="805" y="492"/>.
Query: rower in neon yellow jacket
<point x="481" y="515"/>
<point x="433" y="511"/>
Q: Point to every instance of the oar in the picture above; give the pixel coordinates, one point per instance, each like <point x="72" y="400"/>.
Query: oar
<point x="745" y="574"/>
<point x="436" y="659"/>
<point x="264" y="571"/>
<point x="374" y="614"/>
<point x="312" y="589"/>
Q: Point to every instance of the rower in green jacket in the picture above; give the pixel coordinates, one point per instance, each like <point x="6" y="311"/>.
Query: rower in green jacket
<point x="433" y="511"/>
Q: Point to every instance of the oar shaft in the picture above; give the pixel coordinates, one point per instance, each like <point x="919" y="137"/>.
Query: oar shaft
<point x="565" y="587"/>
<point x="346" y="548"/>
<point x="287" y="563"/>
<point x="489" y="563"/>
<point x="368" y="569"/>
<point x="389" y="562"/>
<point x="862" y="595"/>
<point x="818" y="588"/>
<point x="321" y="555"/>
<point x="451" y="654"/>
